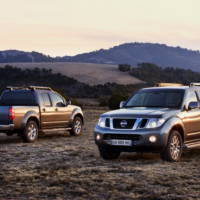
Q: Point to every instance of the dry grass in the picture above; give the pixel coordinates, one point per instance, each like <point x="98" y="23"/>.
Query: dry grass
<point x="92" y="74"/>
<point x="59" y="167"/>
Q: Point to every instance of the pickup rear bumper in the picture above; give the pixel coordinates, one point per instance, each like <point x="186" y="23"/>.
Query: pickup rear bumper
<point x="8" y="127"/>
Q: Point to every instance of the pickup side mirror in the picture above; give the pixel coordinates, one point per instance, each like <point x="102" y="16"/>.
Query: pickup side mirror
<point x="193" y="105"/>
<point x="60" y="104"/>
<point x="122" y="103"/>
<point x="68" y="102"/>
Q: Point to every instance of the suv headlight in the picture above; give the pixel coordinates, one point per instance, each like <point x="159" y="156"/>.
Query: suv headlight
<point x="102" y="122"/>
<point x="155" y="122"/>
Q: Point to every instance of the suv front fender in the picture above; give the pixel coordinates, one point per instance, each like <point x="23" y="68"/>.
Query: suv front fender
<point x="171" y="124"/>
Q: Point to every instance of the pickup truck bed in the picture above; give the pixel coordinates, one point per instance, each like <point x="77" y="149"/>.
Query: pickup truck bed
<point x="14" y="117"/>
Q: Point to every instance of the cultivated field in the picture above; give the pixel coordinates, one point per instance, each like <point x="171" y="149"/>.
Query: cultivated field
<point x="91" y="74"/>
<point x="59" y="167"/>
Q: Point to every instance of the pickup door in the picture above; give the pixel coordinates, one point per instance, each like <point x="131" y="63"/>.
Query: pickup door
<point x="54" y="112"/>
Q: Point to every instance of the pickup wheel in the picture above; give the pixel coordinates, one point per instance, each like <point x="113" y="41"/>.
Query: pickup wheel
<point x="77" y="126"/>
<point x="30" y="132"/>
<point x="174" y="147"/>
<point x="108" y="154"/>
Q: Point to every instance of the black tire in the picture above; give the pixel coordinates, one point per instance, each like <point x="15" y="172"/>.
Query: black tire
<point x="108" y="153"/>
<point x="174" y="148"/>
<point x="30" y="132"/>
<point x="77" y="126"/>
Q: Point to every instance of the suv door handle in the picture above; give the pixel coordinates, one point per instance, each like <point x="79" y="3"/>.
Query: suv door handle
<point x="43" y="109"/>
<point x="56" y="109"/>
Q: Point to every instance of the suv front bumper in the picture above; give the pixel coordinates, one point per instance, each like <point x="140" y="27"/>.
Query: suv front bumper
<point x="139" y="139"/>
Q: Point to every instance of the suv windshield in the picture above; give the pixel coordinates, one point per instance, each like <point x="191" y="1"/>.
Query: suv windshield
<point x="165" y="98"/>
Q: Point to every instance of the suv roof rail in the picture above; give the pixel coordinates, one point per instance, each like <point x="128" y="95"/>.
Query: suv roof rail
<point x="39" y="88"/>
<point x="168" y="84"/>
<point x="28" y="88"/>
<point x="194" y="84"/>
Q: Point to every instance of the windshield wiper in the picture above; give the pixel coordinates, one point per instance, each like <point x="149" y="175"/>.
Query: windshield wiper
<point x="149" y="106"/>
<point x="133" y="106"/>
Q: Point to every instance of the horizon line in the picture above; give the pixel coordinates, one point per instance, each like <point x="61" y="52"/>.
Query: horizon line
<point x="107" y="48"/>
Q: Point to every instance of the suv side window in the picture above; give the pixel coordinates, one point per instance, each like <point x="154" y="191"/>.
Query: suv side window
<point x="57" y="100"/>
<point x="46" y="100"/>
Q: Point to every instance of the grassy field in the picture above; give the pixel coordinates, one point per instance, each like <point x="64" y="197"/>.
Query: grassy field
<point x="59" y="167"/>
<point x="92" y="74"/>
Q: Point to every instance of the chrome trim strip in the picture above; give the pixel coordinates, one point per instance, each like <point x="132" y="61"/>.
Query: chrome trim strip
<point x="195" y="133"/>
<point x="138" y="120"/>
<point x="53" y="122"/>
<point x="111" y="123"/>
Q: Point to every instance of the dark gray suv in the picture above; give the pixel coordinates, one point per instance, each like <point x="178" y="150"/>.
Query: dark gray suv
<point x="162" y="119"/>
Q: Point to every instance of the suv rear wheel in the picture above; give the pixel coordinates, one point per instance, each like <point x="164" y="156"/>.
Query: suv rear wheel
<point x="77" y="126"/>
<point x="30" y="132"/>
<point x="174" y="147"/>
<point x="108" y="154"/>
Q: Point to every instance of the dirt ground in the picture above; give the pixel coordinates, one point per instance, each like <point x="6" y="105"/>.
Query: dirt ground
<point x="59" y="166"/>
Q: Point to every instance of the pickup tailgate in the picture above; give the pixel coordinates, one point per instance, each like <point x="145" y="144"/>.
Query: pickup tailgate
<point x="5" y="115"/>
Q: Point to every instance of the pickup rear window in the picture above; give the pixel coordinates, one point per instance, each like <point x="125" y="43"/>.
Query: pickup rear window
<point x="18" y="98"/>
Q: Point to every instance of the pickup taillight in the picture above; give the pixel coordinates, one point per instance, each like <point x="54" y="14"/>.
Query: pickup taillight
<point x="11" y="113"/>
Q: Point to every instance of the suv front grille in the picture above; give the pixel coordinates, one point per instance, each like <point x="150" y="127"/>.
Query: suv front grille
<point x="123" y="123"/>
<point x="121" y="137"/>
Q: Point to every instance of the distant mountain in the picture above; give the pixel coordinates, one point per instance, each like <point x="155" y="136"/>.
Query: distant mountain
<point x="11" y="56"/>
<point x="134" y="53"/>
<point x="129" y="53"/>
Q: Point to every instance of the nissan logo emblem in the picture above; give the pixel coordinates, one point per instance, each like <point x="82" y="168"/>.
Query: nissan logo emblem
<point x="123" y="123"/>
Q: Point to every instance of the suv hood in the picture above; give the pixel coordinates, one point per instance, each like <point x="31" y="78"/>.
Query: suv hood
<point x="142" y="112"/>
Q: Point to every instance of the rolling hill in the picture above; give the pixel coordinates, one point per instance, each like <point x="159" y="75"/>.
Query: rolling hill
<point x="92" y="74"/>
<point x="134" y="53"/>
<point x="129" y="53"/>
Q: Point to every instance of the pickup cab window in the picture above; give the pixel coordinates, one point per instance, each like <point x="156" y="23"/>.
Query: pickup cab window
<point x="191" y="96"/>
<point x="57" y="100"/>
<point x="18" y="98"/>
<point x="46" y="100"/>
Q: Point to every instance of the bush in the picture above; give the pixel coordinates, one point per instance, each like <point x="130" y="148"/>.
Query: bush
<point x="76" y="102"/>
<point x="124" y="67"/>
<point x="151" y="74"/>
<point x="115" y="100"/>
<point x="103" y="101"/>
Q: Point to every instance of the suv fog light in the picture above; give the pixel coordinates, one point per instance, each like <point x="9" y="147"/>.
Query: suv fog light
<point x="152" y="138"/>
<point x="98" y="137"/>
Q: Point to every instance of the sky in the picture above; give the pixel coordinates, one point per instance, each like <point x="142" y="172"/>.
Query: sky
<point x="70" y="27"/>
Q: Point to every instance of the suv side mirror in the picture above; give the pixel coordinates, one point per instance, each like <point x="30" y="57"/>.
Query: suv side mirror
<point x="193" y="105"/>
<point x="122" y="103"/>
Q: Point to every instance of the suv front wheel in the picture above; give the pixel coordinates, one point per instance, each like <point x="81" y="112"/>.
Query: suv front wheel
<point x="174" y="147"/>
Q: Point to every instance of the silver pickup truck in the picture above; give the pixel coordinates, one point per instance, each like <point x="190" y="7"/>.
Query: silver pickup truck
<point x="28" y="111"/>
